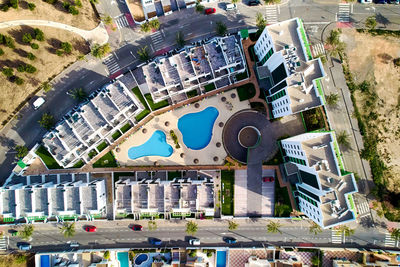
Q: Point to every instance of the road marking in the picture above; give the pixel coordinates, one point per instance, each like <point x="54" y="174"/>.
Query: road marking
<point x="111" y="63"/>
<point x="336" y="236"/>
<point x="121" y="21"/>
<point x="318" y="49"/>
<point x="271" y="14"/>
<point x="344" y="13"/>
<point x="363" y="208"/>
<point x="389" y="241"/>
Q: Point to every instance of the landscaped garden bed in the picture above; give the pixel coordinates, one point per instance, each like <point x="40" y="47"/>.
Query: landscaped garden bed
<point x="228" y="181"/>
<point x="246" y="91"/>
<point x="47" y="158"/>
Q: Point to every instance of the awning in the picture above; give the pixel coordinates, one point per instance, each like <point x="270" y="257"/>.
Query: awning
<point x="244" y="33"/>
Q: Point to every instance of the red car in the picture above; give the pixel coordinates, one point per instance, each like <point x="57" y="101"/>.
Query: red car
<point x="209" y="11"/>
<point x="137" y="227"/>
<point x="90" y="228"/>
<point x="268" y="179"/>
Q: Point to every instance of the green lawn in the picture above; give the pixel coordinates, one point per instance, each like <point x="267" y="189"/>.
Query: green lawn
<point x="102" y="146"/>
<point x="192" y="93"/>
<point x="47" y="158"/>
<point x="108" y="160"/>
<point x="174" y="174"/>
<point x="116" y="135"/>
<point x="79" y="164"/>
<point x="92" y="154"/>
<point x="155" y="106"/>
<point x="228" y="181"/>
<point x="209" y="87"/>
<point x="282" y="199"/>
<point x="125" y="128"/>
<point x="241" y="76"/>
<point x="139" y="96"/>
<point x="246" y="91"/>
<point x="117" y="175"/>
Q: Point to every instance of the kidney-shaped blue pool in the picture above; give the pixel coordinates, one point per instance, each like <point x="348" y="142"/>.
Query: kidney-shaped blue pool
<point x="196" y="128"/>
<point x="155" y="146"/>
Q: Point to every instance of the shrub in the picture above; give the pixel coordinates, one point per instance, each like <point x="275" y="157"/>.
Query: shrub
<point x="14" y="4"/>
<point x="27" y="38"/>
<point x="19" y="80"/>
<point x="9" y="42"/>
<point x="73" y="10"/>
<point x="8" y="72"/>
<point x="78" y="3"/>
<point x="100" y="51"/>
<point x="145" y="27"/>
<point x="67" y="47"/>
<point x="52" y="2"/>
<point x="66" y="5"/>
<point x="396" y="62"/>
<point x="34" y="46"/>
<point x="154" y="24"/>
<point x="31" y="56"/>
<point x="21" y="68"/>
<point x="5" y="8"/>
<point x="59" y="52"/>
<point x="29" y="68"/>
<point x="106" y="255"/>
<point x="31" y="6"/>
<point x="39" y="35"/>
<point x="1" y="52"/>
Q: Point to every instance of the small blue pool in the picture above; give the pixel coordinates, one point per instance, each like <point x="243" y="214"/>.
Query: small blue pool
<point x="221" y="258"/>
<point x="123" y="259"/>
<point x="155" y="146"/>
<point x="141" y="258"/>
<point x="44" y="261"/>
<point x="196" y="128"/>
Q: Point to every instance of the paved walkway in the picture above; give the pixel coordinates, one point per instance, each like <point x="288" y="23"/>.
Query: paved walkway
<point x="98" y="35"/>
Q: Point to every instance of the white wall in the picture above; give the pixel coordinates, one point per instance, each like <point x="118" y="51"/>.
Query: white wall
<point x="263" y="44"/>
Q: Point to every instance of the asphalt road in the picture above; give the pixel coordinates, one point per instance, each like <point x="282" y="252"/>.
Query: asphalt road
<point x="47" y="237"/>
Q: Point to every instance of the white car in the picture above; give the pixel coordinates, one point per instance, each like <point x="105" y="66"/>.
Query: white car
<point x="38" y="103"/>
<point x="230" y="7"/>
<point x="194" y="242"/>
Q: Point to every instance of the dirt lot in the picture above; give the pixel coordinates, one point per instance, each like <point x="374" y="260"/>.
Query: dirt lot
<point x="86" y="19"/>
<point x="371" y="58"/>
<point x="47" y="63"/>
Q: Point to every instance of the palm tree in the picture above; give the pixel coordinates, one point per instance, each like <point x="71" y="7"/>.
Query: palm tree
<point x="315" y="228"/>
<point x="232" y="225"/>
<point x="152" y="225"/>
<point x="260" y="21"/>
<point x="191" y="228"/>
<point x="78" y="94"/>
<point x="143" y="53"/>
<point x="221" y="28"/>
<point x="347" y="231"/>
<point x="154" y="24"/>
<point x="332" y="99"/>
<point x="370" y="22"/>
<point x="343" y="139"/>
<point x="395" y="234"/>
<point x="180" y="39"/>
<point x="273" y="227"/>
<point x="68" y="229"/>
<point x="22" y="151"/>
<point x="107" y="20"/>
<point x="46" y="86"/>
<point x="27" y="232"/>
<point x="145" y="27"/>
<point x="199" y="7"/>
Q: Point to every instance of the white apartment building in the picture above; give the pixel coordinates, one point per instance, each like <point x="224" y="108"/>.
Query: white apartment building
<point x="325" y="189"/>
<point x="284" y="55"/>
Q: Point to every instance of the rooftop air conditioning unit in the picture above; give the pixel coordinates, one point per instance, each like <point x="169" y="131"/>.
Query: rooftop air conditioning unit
<point x="301" y="100"/>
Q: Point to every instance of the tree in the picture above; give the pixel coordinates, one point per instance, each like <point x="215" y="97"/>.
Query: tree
<point x="78" y="3"/>
<point x="106" y="255"/>
<point x="347" y="231"/>
<point x="30" y="69"/>
<point x="395" y="234"/>
<point x="315" y="260"/>
<point x="281" y="209"/>
<point x="1" y="52"/>
<point x="154" y="24"/>
<point x="180" y="39"/>
<point x="232" y="225"/>
<point x="47" y="121"/>
<point x="107" y="19"/>
<point x="27" y="38"/>
<point x="315" y="229"/>
<point x="27" y="232"/>
<point x="39" y="35"/>
<point x="332" y="99"/>
<point x="8" y="72"/>
<point x="370" y="22"/>
<point x="152" y="225"/>
<point x="78" y="94"/>
<point x="101" y="51"/>
<point x="9" y="42"/>
<point x="234" y="1"/>
<point x="221" y="28"/>
<point x="67" y="47"/>
<point x="273" y="227"/>
<point x="34" y="46"/>
<point x="31" y="56"/>
<point x="19" y="80"/>
<point x="143" y="53"/>
<point x="68" y="229"/>
<point x="22" y="151"/>
<point x="46" y="86"/>
<point x="333" y="38"/>
<point x="191" y="228"/>
<point x="343" y="139"/>
<point x="145" y="27"/>
<point x="260" y="21"/>
<point x="199" y="8"/>
<point x="72" y="9"/>
<point x="31" y="6"/>
<point x="14" y="4"/>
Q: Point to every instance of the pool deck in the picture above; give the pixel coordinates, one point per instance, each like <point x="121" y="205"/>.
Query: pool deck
<point x="205" y="156"/>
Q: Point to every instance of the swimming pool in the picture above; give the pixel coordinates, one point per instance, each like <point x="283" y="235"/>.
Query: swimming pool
<point x="123" y="259"/>
<point x="221" y="258"/>
<point x="155" y="146"/>
<point x="141" y="258"/>
<point x="45" y="261"/>
<point x="196" y="128"/>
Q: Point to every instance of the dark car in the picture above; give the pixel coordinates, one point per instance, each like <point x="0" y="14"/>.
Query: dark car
<point x="137" y="227"/>
<point x="268" y="179"/>
<point x="209" y="11"/>
<point x="254" y="2"/>
<point x="229" y="240"/>
<point x="155" y="241"/>
<point x="24" y="246"/>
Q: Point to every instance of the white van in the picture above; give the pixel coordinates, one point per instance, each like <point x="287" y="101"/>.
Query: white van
<point x="38" y="103"/>
<point x="194" y="242"/>
<point x="230" y="7"/>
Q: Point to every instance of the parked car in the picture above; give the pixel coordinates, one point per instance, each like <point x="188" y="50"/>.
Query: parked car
<point x="38" y="103"/>
<point x="268" y="179"/>
<point x="209" y="11"/>
<point x="24" y="246"/>
<point x="155" y="241"/>
<point x="229" y="240"/>
<point x="254" y="2"/>
<point x="90" y="228"/>
<point x="74" y="244"/>
<point x="231" y="7"/>
<point x="137" y="227"/>
<point x="194" y="242"/>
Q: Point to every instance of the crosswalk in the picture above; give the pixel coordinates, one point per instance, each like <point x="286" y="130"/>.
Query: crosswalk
<point x="112" y="64"/>
<point x="336" y="236"/>
<point x="3" y="243"/>
<point x="344" y="13"/>
<point x="121" y="21"/>
<point x="271" y="14"/>
<point x="389" y="241"/>
<point x="157" y="40"/>
<point x="363" y="208"/>
<point x="318" y="49"/>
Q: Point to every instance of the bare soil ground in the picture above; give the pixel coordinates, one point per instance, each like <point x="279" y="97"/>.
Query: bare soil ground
<point x="86" y="19"/>
<point x="47" y="63"/>
<point x="371" y="58"/>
